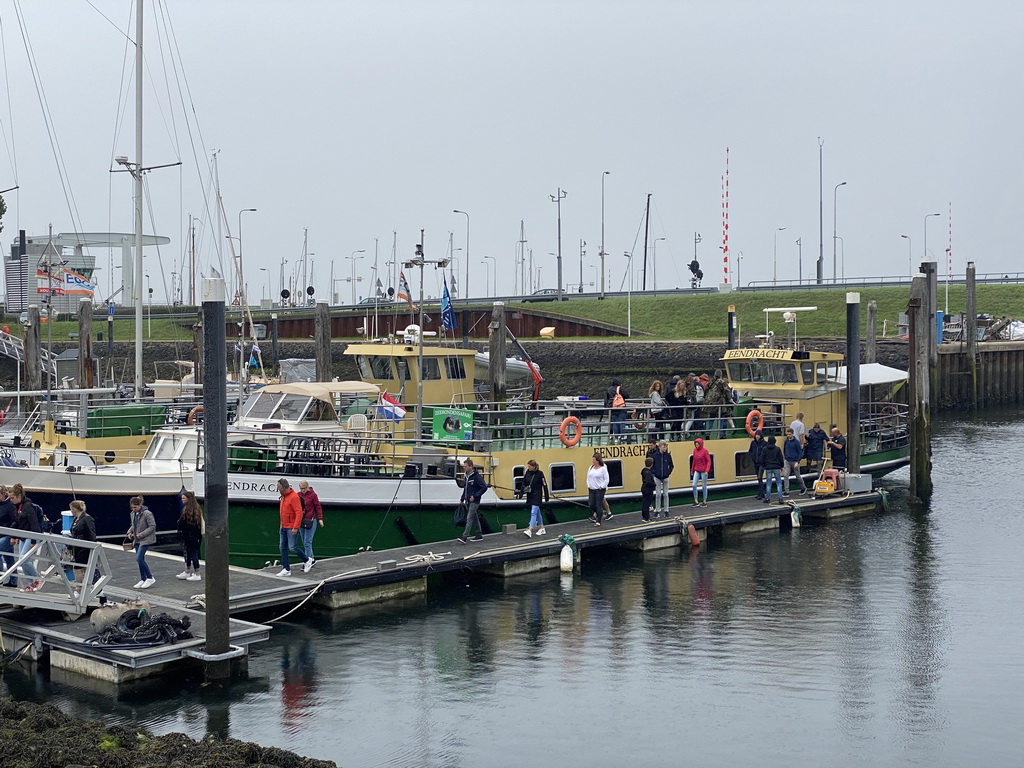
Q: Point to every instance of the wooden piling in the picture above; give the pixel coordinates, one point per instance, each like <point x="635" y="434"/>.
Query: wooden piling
<point x="920" y="417"/>
<point x="871" y="334"/>
<point x="86" y="362"/>
<point x="322" y="334"/>
<point x="930" y="271"/>
<point x="33" y="351"/>
<point x="971" y="330"/>
<point x="496" y="352"/>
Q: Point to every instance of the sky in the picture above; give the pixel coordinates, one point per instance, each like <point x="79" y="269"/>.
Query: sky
<point x="352" y="126"/>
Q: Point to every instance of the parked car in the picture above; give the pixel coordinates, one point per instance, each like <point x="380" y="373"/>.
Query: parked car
<point x="543" y="294"/>
<point x="44" y="316"/>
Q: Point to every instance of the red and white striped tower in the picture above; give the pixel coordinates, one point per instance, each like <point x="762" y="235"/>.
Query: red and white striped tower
<point x="725" y="220"/>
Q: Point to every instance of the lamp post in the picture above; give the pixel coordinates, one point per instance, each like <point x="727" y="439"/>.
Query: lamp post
<point x="910" y="255"/>
<point x="266" y="289"/>
<point x="353" y="258"/>
<point x="495" y="292"/>
<point x="149" y="314"/>
<point x="283" y="263"/>
<point x="557" y="200"/>
<point x="629" y="296"/>
<point x="654" y="263"/>
<point x="241" y="272"/>
<point x="799" y="262"/>
<point x="466" y="288"/>
<point x="927" y="216"/>
<point x="739" y="258"/>
<point x="583" y="244"/>
<point x="835" y="198"/>
<point x="842" y="257"/>
<point x="602" y="254"/>
<point x="775" y="255"/>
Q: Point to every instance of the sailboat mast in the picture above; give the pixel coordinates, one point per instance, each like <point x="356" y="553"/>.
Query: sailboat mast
<point x="647" y="227"/>
<point x="138" y="200"/>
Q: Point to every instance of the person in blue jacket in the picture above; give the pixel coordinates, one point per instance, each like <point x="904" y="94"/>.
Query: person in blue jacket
<point x="473" y="491"/>
<point x="793" y="451"/>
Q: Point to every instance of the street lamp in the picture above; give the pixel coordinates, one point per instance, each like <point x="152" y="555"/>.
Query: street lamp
<point x="602" y="233"/>
<point x="835" y="197"/>
<point x="557" y="200"/>
<point x="910" y="255"/>
<point x="927" y="216"/>
<point x="739" y="258"/>
<point x="775" y="255"/>
<point x="467" y="253"/>
<point x="842" y="257"/>
<point x="353" y="258"/>
<point x="266" y="290"/>
<point x="495" y="293"/>
<point x="283" y="263"/>
<point x="629" y="295"/>
<point x="487" y="279"/>
<point x="241" y="273"/>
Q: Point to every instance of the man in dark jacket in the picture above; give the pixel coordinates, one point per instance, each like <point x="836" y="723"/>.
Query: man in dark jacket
<point x="838" y="448"/>
<point x="792" y="451"/>
<point x="756" y="454"/>
<point x="773" y="463"/>
<point x="815" y="445"/>
<point x="661" y="469"/>
<point x="474" y="489"/>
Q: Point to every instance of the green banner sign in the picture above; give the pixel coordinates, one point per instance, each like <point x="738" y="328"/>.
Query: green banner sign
<point x="453" y="424"/>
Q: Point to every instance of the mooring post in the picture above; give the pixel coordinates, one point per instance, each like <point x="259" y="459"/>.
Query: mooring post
<point x="732" y="327"/>
<point x="920" y="434"/>
<point x="496" y="352"/>
<point x="215" y="439"/>
<point x="871" y="334"/>
<point x="33" y="351"/>
<point x="322" y="335"/>
<point x="275" y="343"/>
<point x="853" y="382"/>
<point x="971" y="329"/>
<point x="930" y="270"/>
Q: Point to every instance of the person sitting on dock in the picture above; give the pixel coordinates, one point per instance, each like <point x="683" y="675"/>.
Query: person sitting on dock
<point x="838" y="449"/>
<point x="814" y="447"/>
<point x="701" y="466"/>
<point x="774" y="461"/>
<point x="756" y="455"/>
<point x="291" y="519"/>
<point x="535" y="488"/>
<point x="473" y="491"/>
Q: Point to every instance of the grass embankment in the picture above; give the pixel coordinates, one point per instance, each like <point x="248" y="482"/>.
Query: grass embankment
<point x="692" y="317"/>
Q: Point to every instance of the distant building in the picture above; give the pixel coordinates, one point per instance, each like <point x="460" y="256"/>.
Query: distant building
<point x="49" y="273"/>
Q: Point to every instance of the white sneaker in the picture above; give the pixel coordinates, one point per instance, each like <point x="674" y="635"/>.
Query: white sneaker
<point x="308" y="564"/>
<point x="541" y="531"/>
<point x="139" y="584"/>
<point x="285" y="572"/>
<point x="147" y="584"/>
<point x="183" y="575"/>
<point x="528" y="532"/>
<point x="194" y="577"/>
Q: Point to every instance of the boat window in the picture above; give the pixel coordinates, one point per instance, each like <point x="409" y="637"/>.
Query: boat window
<point x="563" y="477"/>
<point x="260" y="405"/>
<point x="820" y="372"/>
<point x="365" y="372"/>
<point x="320" y="411"/>
<point x="381" y="367"/>
<point x="833" y="371"/>
<point x="807" y="372"/>
<point x="711" y="472"/>
<point x="739" y="371"/>
<point x="454" y="368"/>
<point x="744" y="466"/>
<point x="517" y="478"/>
<point x="763" y="372"/>
<point x="291" y="407"/>
<point x="169" y="446"/>
<point x="431" y="369"/>
<point x="614" y="467"/>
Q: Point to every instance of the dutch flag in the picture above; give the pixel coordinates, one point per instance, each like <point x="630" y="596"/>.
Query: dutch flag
<point x="390" y="408"/>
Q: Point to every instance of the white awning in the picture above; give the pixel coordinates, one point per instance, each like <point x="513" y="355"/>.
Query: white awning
<point x="875" y="373"/>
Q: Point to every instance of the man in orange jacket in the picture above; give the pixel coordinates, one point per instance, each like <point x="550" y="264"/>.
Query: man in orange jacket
<point x="291" y="519"/>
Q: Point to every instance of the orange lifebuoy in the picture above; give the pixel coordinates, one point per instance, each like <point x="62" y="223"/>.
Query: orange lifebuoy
<point x="569" y="442"/>
<point x="191" y="420"/>
<point x="751" y="429"/>
<point x="889" y="415"/>
<point x="3" y="416"/>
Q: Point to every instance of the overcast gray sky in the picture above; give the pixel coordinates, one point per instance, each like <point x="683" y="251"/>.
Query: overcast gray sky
<point x="357" y="120"/>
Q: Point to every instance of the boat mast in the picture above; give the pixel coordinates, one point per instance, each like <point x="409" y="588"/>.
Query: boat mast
<point x="647" y="228"/>
<point x="138" y="200"/>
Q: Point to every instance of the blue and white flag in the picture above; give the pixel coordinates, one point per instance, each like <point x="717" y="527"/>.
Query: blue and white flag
<point x="447" y="311"/>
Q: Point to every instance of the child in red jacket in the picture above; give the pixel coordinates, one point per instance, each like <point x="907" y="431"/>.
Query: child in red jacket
<point x="701" y="467"/>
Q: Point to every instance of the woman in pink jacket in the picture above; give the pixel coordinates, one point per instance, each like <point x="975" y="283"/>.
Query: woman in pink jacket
<point x="312" y="518"/>
<point x="700" y="467"/>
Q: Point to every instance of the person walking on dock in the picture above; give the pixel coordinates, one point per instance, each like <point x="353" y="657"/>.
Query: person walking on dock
<point x="838" y="448"/>
<point x="83" y="528"/>
<point x="756" y="455"/>
<point x="25" y="519"/>
<point x="647" y="485"/>
<point x="312" y="517"/>
<point x="701" y="467"/>
<point x="6" y="549"/>
<point x="535" y="488"/>
<point x="662" y="469"/>
<point x="473" y="491"/>
<point x="142" y="531"/>
<point x="792" y="452"/>
<point x="597" y="484"/>
<point x="191" y="527"/>
<point x="291" y="519"/>
<point x="774" y="461"/>
<point x="815" y="446"/>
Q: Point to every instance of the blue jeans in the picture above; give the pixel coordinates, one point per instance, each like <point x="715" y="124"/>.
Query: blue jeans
<point x="698" y="478"/>
<point x="289" y="544"/>
<point x="536" y="521"/>
<point x="8" y="558"/>
<point x="618" y="421"/>
<point x="307" y="539"/>
<point x="661" y="503"/>
<point x="140" y="558"/>
<point x="472" y="520"/>
<point x="192" y="558"/>
<point x="776" y="476"/>
<point x="27" y="567"/>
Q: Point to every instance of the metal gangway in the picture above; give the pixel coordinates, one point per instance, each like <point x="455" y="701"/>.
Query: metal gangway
<point x="52" y="557"/>
<point x="14" y="347"/>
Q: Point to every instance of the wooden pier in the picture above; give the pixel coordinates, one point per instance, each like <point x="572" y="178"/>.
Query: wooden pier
<point x="374" y="577"/>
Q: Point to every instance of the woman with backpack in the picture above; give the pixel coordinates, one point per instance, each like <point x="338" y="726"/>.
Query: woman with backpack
<point x="25" y="519"/>
<point x="191" y="526"/>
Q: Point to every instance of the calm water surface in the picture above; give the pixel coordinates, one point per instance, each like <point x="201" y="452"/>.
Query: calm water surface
<point x="890" y="640"/>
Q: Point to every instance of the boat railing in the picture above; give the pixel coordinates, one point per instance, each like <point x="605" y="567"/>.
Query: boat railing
<point x="884" y="426"/>
<point x="52" y="557"/>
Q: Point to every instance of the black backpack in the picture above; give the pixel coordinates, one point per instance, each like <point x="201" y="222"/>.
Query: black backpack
<point x="45" y="524"/>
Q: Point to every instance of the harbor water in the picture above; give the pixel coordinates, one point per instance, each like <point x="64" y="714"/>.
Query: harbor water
<point x="893" y="639"/>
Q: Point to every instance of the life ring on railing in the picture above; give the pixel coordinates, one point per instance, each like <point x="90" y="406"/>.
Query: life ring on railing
<point x="191" y="420"/>
<point x="889" y="414"/>
<point x="567" y="441"/>
<point x="751" y="429"/>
